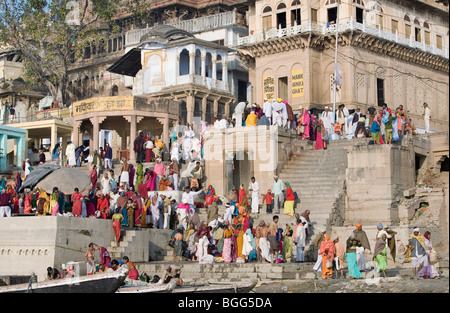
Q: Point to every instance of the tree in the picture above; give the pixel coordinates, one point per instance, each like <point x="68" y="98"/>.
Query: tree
<point x="48" y="32"/>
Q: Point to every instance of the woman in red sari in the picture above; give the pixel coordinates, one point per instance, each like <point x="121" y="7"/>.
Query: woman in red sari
<point x="94" y="176"/>
<point x="76" y="200"/>
<point x="103" y="206"/>
<point x="117" y="221"/>
<point x="210" y="196"/>
<point x="243" y="196"/>
<point x="27" y="204"/>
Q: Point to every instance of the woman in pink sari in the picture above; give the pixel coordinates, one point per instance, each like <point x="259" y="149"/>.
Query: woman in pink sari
<point x="94" y="176"/>
<point x="305" y="122"/>
<point x="319" y="135"/>
<point x="139" y="208"/>
<point x="151" y="180"/>
<point x="243" y="197"/>
<point x="228" y="234"/>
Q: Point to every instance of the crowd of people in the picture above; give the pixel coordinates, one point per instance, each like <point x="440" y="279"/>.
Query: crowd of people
<point x="383" y="125"/>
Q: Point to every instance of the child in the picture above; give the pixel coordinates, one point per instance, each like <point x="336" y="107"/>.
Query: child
<point x="268" y="197"/>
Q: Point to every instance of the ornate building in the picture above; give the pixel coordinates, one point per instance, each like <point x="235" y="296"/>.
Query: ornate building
<point x="393" y="52"/>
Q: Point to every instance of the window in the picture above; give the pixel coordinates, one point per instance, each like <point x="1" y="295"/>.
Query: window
<point x="359" y="15"/>
<point x="184" y="63"/>
<point x="296" y="17"/>
<point x="283" y="87"/>
<point x="198" y="62"/>
<point x="439" y="42"/>
<point x="328" y="2"/>
<point x="380" y="21"/>
<point x="332" y="15"/>
<point x="267" y="18"/>
<point x="313" y="15"/>
<point x="407" y="20"/>
<point x="394" y="26"/>
<point x="281" y="16"/>
<point x="267" y="9"/>
<point x="427" y="34"/>
<point x="208" y="65"/>
<point x="417" y="30"/>
<point x="380" y="92"/>
<point x="219" y="68"/>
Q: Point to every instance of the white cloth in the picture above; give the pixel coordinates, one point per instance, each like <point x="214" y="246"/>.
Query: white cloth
<point x="203" y="247"/>
<point x="277" y="119"/>
<point x="124" y="177"/>
<point x="5" y="211"/>
<point x="247" y="245"/>
<point x="267" y="109"/>
<point x="300" y="236"/>
<point x="70" y="154"/>
<point x="264" y="245"/>
<point x="228" y="214"/>
<point x="255" y="196"/>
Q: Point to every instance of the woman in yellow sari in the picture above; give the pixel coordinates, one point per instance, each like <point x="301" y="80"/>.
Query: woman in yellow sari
<point x="240" y="241"/>
<point x="43" y="205"/>
<point x="144" y="213"/>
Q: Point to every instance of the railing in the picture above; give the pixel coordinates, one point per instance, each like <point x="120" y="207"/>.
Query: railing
<point x="196" y="25"/>
<point x="343" y="27"/>
<point x="57" y="113"/>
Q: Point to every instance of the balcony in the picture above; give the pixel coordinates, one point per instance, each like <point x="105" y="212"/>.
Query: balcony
<point x="342" y="27"/>
<point x="196" y="25"/>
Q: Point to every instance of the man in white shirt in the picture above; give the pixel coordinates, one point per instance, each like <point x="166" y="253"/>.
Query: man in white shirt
<point x="254" y="188"/>
<point x="267" y="109"/>
<point x="277" y="190"/>
<point x="188" y="197"/>
<point x="327" y="119"/>
<point x="300" y="240"/>
<point x="427" y="117"/>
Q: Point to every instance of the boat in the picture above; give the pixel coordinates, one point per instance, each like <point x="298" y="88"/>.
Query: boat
<point x="241" y="287"/>
<point x="143" y="287"/>
<point x="107" y="282"/>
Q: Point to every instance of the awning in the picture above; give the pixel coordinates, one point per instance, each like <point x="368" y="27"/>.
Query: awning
<point x="129" y="64"/>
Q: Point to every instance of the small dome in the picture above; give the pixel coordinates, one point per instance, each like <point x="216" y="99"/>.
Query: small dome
<point x="164" y="34"/>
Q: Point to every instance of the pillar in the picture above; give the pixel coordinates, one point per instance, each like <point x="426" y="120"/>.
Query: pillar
<point x="75" y="138"/>
<point x="95" y="130"/>
<point x="216" y="106"/>
<point x="133" y="130"/>
<point x="204" y="102"/>
<point x="190" y="107"/>
<point x="53" y="136"/>
<point x="225" y="74"/>
<point x="21" y="150"/>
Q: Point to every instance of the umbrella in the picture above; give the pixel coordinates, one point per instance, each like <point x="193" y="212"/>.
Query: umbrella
<point x="37" y="174"/>
<point x="66" y="179"/>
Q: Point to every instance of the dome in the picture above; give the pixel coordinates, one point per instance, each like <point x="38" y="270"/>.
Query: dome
<point x="164" y="34"/>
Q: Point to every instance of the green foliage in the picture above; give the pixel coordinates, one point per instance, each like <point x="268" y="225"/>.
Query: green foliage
<point x="48" y="32"/>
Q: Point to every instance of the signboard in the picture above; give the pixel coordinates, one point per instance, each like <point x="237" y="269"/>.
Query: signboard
<point x="297" y="89"/>
<point x="124" y="103"/>
<point x="268" y="87"/>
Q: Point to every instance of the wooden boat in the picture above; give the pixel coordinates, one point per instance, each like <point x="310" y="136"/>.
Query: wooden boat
<point x="142" y="287"/>
<point x="241" y="287"/>
<point x="107" y="282"/>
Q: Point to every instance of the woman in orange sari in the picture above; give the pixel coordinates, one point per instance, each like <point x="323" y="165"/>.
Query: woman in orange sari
<point x="76" y="200"/>
<point x="240" y="241"/>
<point x="327" y="250"/>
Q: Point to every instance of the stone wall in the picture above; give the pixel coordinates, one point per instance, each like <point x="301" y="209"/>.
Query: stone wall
<point x="31" y="244"/>
<point x="376" y="178"/>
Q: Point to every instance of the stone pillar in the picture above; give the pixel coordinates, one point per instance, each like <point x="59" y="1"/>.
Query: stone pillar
<point x="65" y="138"/>
<point x="190" y="107"/>
<point x="204" y="102"/>
<point x="225" y="74"/>
<point x="95" y="130"/>
<point x="75" y="138"/>
<point x="53" y="136"/>
<point x="133" y="130"/>
<point x="204" y="65"/>
<point x="216" y="106"/>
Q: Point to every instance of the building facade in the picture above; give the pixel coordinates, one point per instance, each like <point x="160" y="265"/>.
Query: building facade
<point x="393" y="52"/>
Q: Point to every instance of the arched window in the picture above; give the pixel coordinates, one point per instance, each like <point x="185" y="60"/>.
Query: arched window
<point x="407" y="21"/>
<point x="281" y="6"/>
<point x="114" y="91"/>
<point x="426" y="33"/>
<point x="267" y="18"/>
<point x="184" y="62"/>
<point x="267" y="9"/>
<point x="330" y="2"/>
<point x="417" y="30"/>
<point x="296" y="16"/>
<point x="208" y="65"/>
<point x="281" y="15"/>
<point x="219" y="67"/>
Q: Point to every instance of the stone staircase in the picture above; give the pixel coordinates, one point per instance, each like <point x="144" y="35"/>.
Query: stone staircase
<point x="118" y="250"/>
<point x="318" y="177"/>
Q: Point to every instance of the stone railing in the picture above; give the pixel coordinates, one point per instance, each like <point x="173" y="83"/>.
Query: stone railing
<point x="342" y="27"/>
<point x="196" y="25"/>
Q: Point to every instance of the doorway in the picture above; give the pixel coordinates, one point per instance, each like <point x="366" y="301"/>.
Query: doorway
<point x="283" y="88"/>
